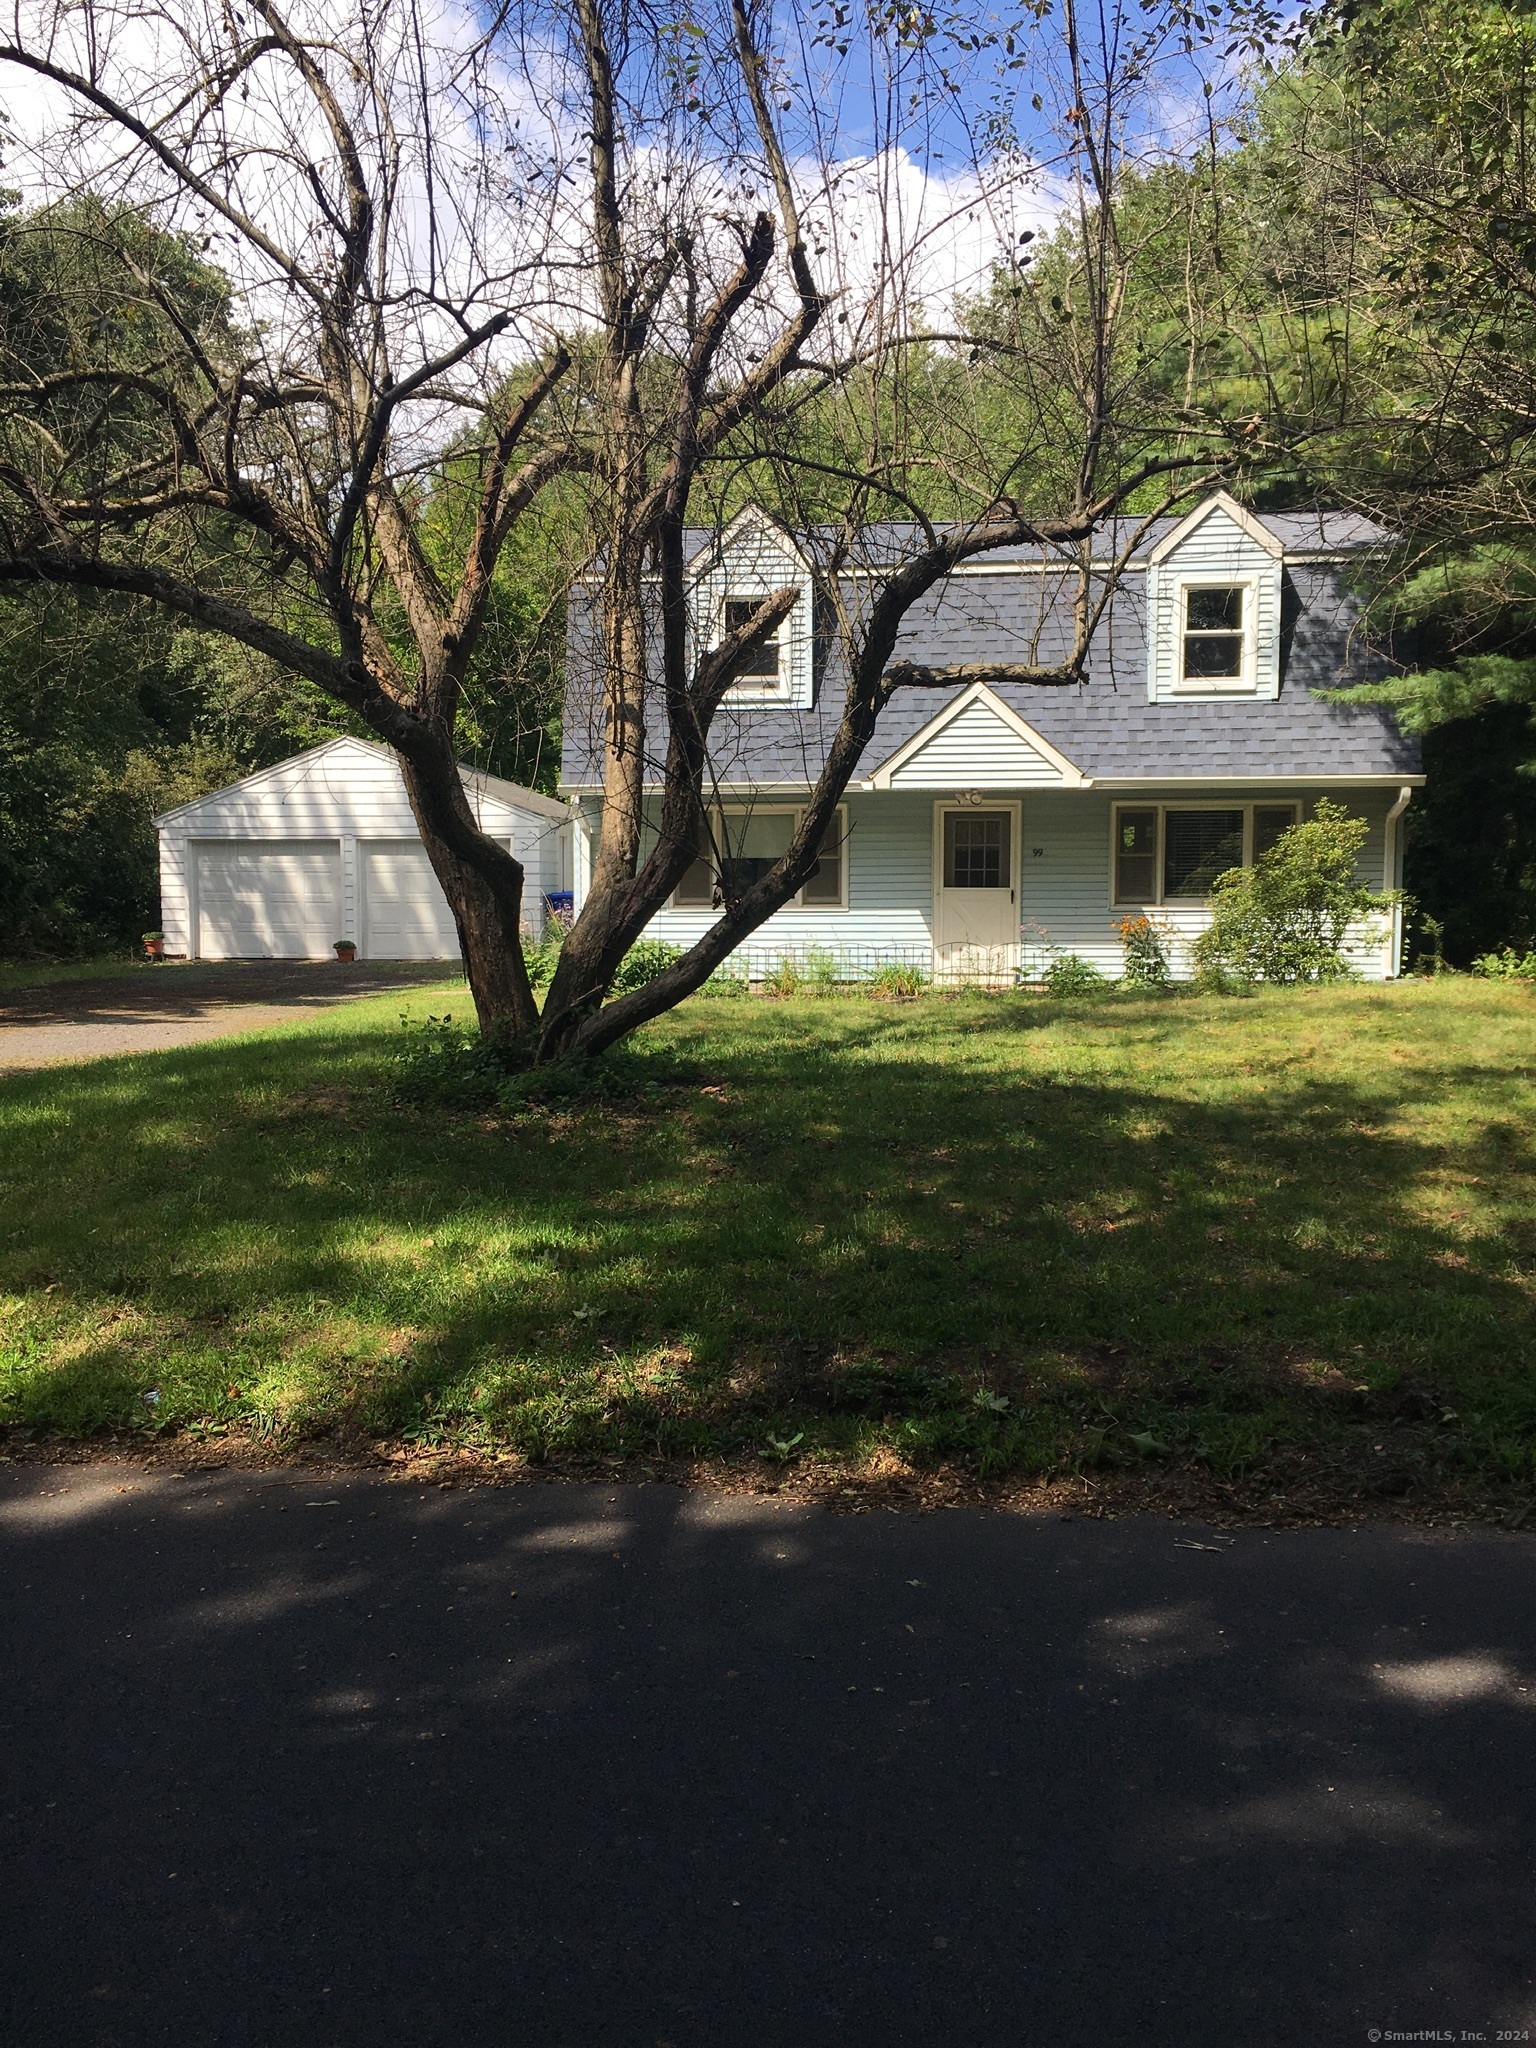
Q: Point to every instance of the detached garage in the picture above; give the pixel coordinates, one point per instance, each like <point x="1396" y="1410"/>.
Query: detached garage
<point x="324" y="847"/>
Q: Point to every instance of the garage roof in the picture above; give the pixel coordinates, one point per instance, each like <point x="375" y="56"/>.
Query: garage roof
<point x="513" y="794"/>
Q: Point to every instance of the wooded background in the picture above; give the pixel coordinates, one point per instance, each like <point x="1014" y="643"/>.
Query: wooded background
<point x="1347" y="252"/>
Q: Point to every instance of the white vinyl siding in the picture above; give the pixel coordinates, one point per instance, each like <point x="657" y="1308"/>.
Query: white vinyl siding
<point x="976" y="750"/>
<point x="1065" y="869"/>
<point x="1218" y="553"/>
<point x="266" y="900"/>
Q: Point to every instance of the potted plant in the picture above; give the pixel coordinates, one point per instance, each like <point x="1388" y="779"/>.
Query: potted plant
<point x="346" y="951"/>
<point x="154" y="945"/>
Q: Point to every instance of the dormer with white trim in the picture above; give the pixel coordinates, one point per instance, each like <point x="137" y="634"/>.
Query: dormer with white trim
<point x="1213" y="607"/>
<point x="753" y="557"/>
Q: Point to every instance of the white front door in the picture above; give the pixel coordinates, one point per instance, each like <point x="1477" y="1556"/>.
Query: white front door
<point x="976" y="891"/>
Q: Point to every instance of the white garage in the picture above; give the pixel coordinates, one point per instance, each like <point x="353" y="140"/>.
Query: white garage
<point x="324" y="847"/>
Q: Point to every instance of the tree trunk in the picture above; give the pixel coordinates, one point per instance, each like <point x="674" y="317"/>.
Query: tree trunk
<point x="484" y="887"/>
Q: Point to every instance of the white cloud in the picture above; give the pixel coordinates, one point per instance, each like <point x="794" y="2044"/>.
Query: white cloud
<point x="475" y="157"/>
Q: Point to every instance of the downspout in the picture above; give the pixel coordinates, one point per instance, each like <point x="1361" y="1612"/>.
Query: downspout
<point x="1390" y="879"/>
<point x="581" y="857"/>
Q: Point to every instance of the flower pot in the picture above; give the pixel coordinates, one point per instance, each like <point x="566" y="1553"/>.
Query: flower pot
<point x="346" y="952"/>
<point x="154" y="949"/>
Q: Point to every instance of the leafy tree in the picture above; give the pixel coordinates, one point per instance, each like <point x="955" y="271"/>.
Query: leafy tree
<point x="109" y="713"/>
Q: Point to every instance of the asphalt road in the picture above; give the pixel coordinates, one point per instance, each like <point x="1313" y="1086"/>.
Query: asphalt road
<point x="302" y="1760"/>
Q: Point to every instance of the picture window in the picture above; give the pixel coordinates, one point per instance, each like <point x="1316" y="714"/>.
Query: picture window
<point x="1173" y="853"/>
<point x="745" y="847"/>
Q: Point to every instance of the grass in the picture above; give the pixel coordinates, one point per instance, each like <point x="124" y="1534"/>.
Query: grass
<point x="1249" y="1240"/>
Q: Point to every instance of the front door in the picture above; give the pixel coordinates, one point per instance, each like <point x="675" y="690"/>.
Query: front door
<point x="976" y="921"/>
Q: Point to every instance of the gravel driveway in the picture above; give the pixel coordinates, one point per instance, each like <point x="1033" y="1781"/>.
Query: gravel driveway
<point x="151" y="1009"/>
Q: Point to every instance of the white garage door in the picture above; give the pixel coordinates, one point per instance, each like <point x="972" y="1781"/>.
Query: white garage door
<point x="405" y="913"/>
<point x="275" y="899"/>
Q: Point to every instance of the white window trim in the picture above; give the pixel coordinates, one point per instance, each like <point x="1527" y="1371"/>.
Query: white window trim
<point x="758" y="686"/>
<point x="1247" y="805"/>
<point x="796" y="812"/>
<point x="754" y="689"/>
<point x="1246" y="682"/>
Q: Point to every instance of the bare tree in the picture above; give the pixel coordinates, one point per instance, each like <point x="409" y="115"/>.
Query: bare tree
<point x="605" y="248"/>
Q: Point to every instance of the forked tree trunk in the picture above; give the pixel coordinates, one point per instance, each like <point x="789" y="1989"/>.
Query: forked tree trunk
<point x="484" y="887"/>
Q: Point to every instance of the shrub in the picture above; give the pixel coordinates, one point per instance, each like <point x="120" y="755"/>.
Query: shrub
<point x="1071" y="975"/>
<point x="1507" y="965"/>
<point x="1430" y="957"/>
<point x="785" y="979"/>
<point x="642" y="963"/>
<point x="1146" y="951"/>
<point x="1284" y="919"/>
<point x="895" y="980"/>
<point x="542" y="953"/>
<point x="444" y="1062"/>
<point x="822" y="971"/>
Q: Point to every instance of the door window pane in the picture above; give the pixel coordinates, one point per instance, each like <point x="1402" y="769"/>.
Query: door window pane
<point x="977" y="854"/>
<point x="762" y="667"/>
<point x="1136" y="857"/>
<point x="1269" y="821"/>
<point x="1197" y="847"/>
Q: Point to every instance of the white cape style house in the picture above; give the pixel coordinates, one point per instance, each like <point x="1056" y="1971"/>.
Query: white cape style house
<point x="995" y="827"/>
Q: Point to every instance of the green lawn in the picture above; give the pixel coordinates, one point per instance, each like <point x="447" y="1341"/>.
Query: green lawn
<point x="1250" y="1239"/>
<point x="34" y="973"/>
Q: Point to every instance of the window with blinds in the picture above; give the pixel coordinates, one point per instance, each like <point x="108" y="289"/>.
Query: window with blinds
<point x="1174" y="852"/>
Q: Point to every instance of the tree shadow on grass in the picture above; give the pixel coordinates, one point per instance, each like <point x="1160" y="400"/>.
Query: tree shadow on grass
<point x="849" y="1239"/>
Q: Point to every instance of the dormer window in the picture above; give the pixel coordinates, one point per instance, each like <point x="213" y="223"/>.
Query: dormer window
<point x="1215" y="632"/>
<point x="1215" y="589"/>
<point x="762" y="668"/>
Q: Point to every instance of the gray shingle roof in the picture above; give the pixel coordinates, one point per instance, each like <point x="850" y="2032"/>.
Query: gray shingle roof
<point x="1105" y="726"/>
